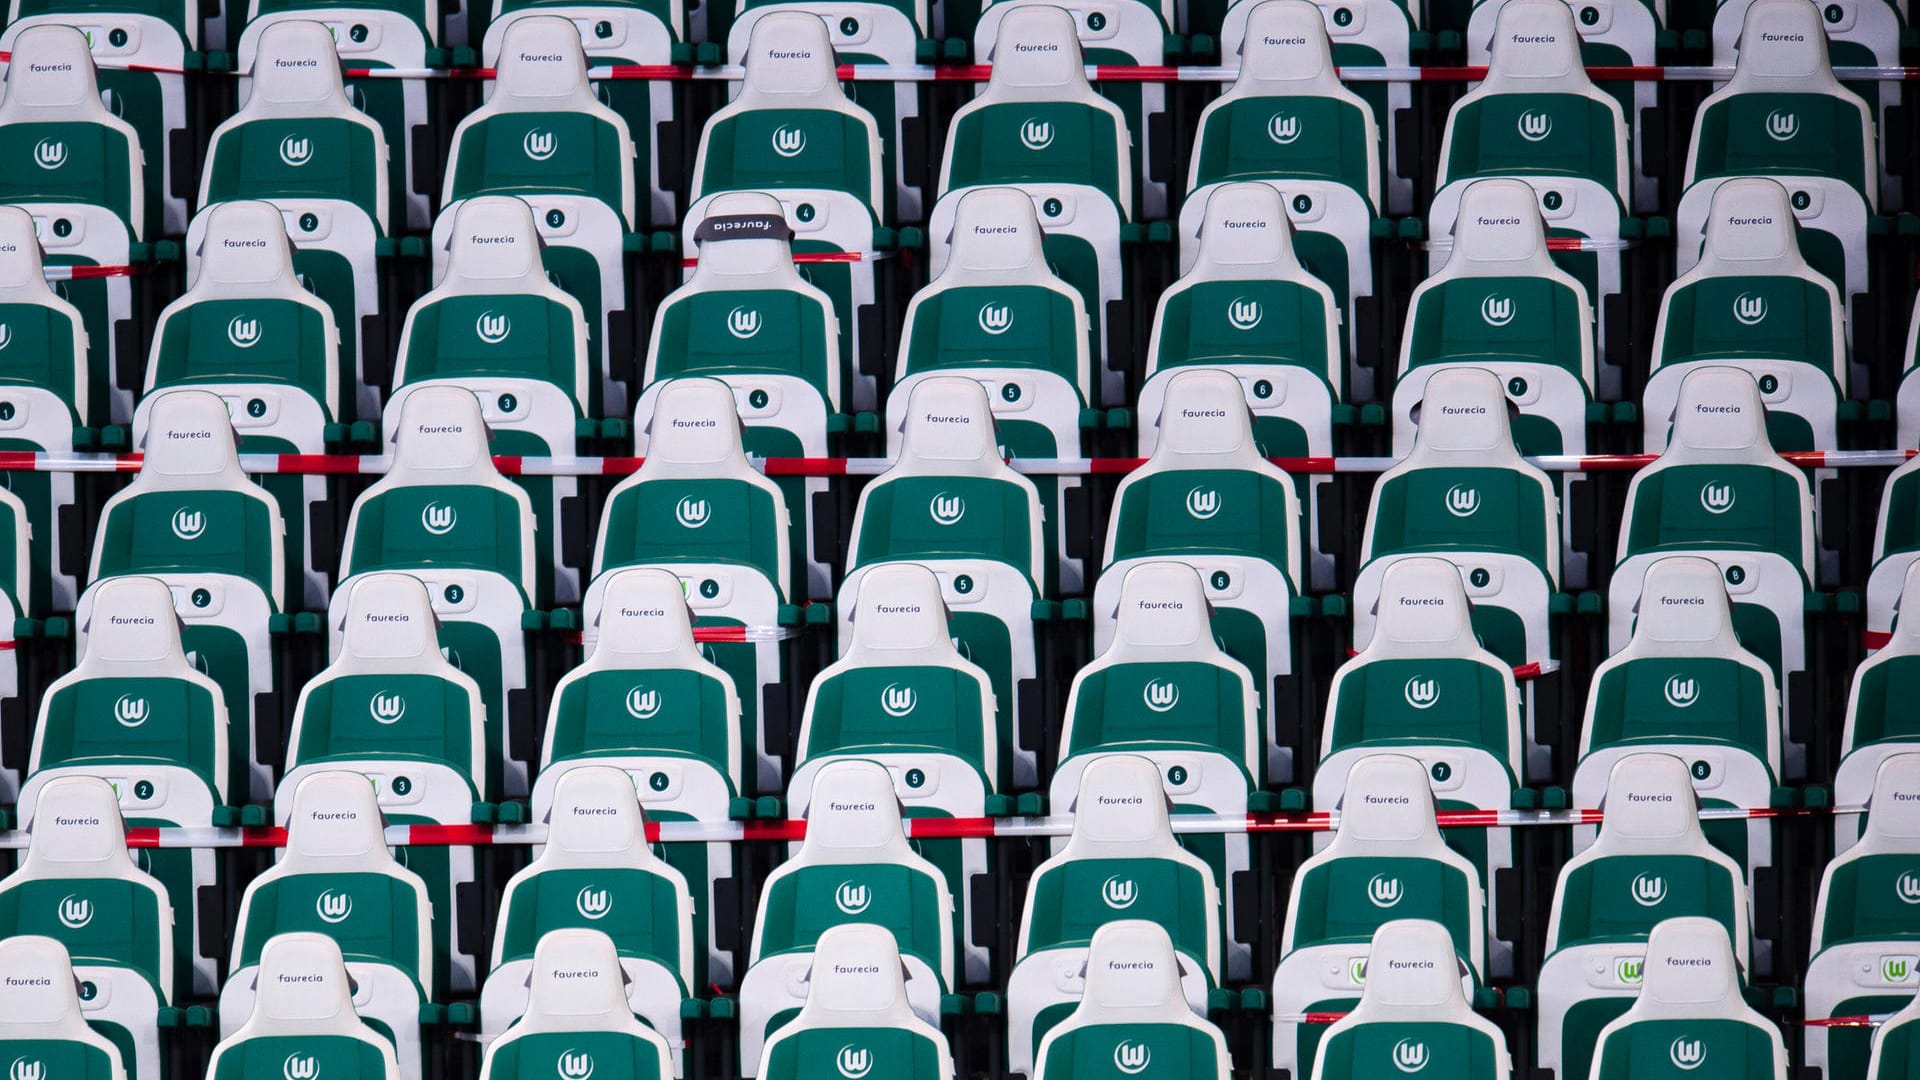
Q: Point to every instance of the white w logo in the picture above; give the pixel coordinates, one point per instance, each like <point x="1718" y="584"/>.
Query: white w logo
<point x="1462" y="501"/>
<point x="947" y="509"/>
<point x="387" y="708"/>
<point x="296" y="151"/>
<point x="189" y="524"/>
<point x="1782" y="125"/>
<point x="1907" y="888"/>
<point x="1283" y="129"/>
<point x="1409" y="1056"/>
<point x="789" y="141"/>
<point x="1422" y="693"/>
<point x="898" y="700"/>
<point x="75" y="912"/>
<point x="691" y="512"/>
<point x="1687" y="1054"/>
<point x="852" y="899"/>
<point x="996" y="319"/>
<point x="300" y="1067"/>
<point x="853" y="1062"/>
<point x="243" y="332"/>
<point x="1681" y="693"/>
<point x="1751" y="310"/>
<point x="6" y="335"/>
<point x="574" y="1065"/>
<point x="1497" y="310"/>
<point x="22" y="1069"/>
<point x="1649" y="889"/>
<point x="438" y="519"/>
<point x="1161" y="695"/>
<point x="1036" y="134"/>
<point x="333" y="907"/>
<point x="493" y="329"/>
<point x="539" y="145"/>
<point x="1717" y="498"/>
<point x="643" y="704"/>
<point x="130" y="711"/>
<point x="1131" y="1057"/>
<point x="1203" y="503"/>
<point x="1535" y="126"/>
<point x="593" y="903"/>
<point x="50" y="154"/>
<point x="1243" y="314"/>
<point x="743" y="323"/>
<point x="1119" y="894"/>
<point x="1384" y="891"/>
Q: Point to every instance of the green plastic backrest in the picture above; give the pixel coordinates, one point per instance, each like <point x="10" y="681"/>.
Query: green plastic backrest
<point x="1285" y="136"/>
<point x="1625" y="895"/>
<point x="986" y="146"/>
<point x="1271" y="322"/>
<point x="1733" y="138"/>
<point x="811" y="148"/>
<point x="155" y="719"/>
<point x="1097" y="1050"/>
<point x="910" y="517"/>
<point x="1580" y="138"/>
<point x="644" y="910"/>
<point x="576" y="1055"/>
<point x="579" y="154"/>
<point x="1735" y="1050"/>
<point x="821" y="1053"/>
<point x="97" y="918"/>
<point x="523" y="336"/>
<point x="700" y="334"/>
<point x="1682" y="699"/>
<point x="1074" y="898"/>
<point x="245" y="340"/>
<point x="697" y="521"/>
<point x="1415" y="511"/>
<point x="93" y="169"/>
<point x="301" y="1057"/>
<point x="1437" y="1050"/>
<point x="482" y="529"/>
<point x="39" y="349"/>
<point x="1186" y="702"/>
<point x="1454" y="322"/>
<point x="1792" y="319"/>
<point x="412" y="716"/>
<point x="372" y="916"/>
<point x="800" y="906"/>
<point x="1427" y="699"/>
<point x="931" y="706"/>
<point x="1750" y="507"/>
<point x="202" y="532"/>
<point x="308" y="157"/>
<point x="1347" y="899"/>
<point x="1252" y="518"/>
<point x="1871" y="898"/>
<point x="975" y="326"/>
<point x="682" y="712"/>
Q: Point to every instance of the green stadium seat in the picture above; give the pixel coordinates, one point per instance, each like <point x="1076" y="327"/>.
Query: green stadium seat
<point x="304" y="1022"/>
<point x="1412" y="1013"/>
<point x="1690" y="1013"/>
<point x="857" y="1017"/>
<point x="42" y="1022"/>
<point x="1893" y="1051"/>
<point x="579" y="1021"/>
<point x="1896" y="547"/>
<point x="1132" y="1012"/>
<point x="1878" y="721"/>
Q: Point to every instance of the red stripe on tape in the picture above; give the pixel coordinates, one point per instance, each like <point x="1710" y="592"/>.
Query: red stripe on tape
<point x="143" y="836"/>
<point x="805" y="466"/>
<point x="450" y="834"/>
<point x="271" y="836"/>
<point x="1875" y="639"/>
<point x="774" y="830"/>
<point x="959" y="828"/>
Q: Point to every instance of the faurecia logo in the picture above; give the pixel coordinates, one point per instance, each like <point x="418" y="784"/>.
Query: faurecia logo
<point x="1535" y="126"/>
<point x="1687" y="1054"/>
<point x="1716" y="498"/>
<point x="439" y="518"/>
<point x="1462" y="501"/>
<point x="1422" y="693"/>
<point x="1409" y="1056"/>
<point x="130" y="711"/>
<point x="593" y="903"/>
<point x="1283" y="129"/>
<point x="643" y="704"/>
<point x="692" y="513"/>
<point x="1648" y="889"/>
<point x="1384" y="891"/>
<point x="1681" y="692"/>
<point x="50" y="153"/>
<point x="789" y="141"/>
<point x="1161" y="695"/>
<point x="574" y="1065"/>
<point x="1907" y="888"/>
<point x="851" y="898"/>
<point x="296" y="150"/>
<point x="333" y="907"/>
<point x="1749" y="309"/>
<point x="897" y="701"/>
<point x="243" y="332"/>
<point x="1782" y="125"/>
<point x="492" y="328"/>
<point x="1497" y="311"/>
<point x="1036" y="135"/>
<point x="1243" y="314"/>
<point x="539" y="145"/>
<point x="1132" y="1057"/>
<point x="743" y="322"/>
<point x="386" y="708"/>
<point x="188" y="523"/>
<point x="300" y="1066"/>
<point x="75" y="912"/>
<point x="854" y="1062"/>
<point x="1119" y="893"/>
<point x="1203" y="503"/>
<point x="996" y="319"/>
<point x="947" y="509"/>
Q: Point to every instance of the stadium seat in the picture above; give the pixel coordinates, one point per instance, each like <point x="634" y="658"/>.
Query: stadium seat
<point x="1877" y="717"/>
<point x="337" y="879"/>
<point x="1538" y="118"/>
<point x="135" y="712"/>
<point x="1121" y="863"/>
<point x="1208" y="498"/>
<point x="1038" y="126"/>
<point x="192" y="519"/>
<point x="1500" y="303"/>
<point x="828" y="169"/>
<point x="1864" y="931"/>
<point x="444" y="514"/>
<point x="857" y="1015"/>
<point x="533" y="387"/>
<point x="950" y="503"/>
<point x="1690" y="1013"/>
<point x="1906" y="407"/>
<point x="1412" y="1012"/>
<point x="1386" y="852"/>
<point x="1720" y="491"/>
<point x="1132" y="1012"/>
<point x="1685" y="652"/>
<point x="48" y="390"/>
<point x="855" y="866"/>
<point x="1753" y="303"/>
<point x="247" y="331"/>
<point x="1896" y="547"/>
<point x="80" y="887"/>
<point x="43" y="1026"/>
<point x="1894" y="1054"/>
<point x="392" y="708"/>
<point x="303" y="1022"/>
<point x="95" y="211"/>
<point x="300" y="144"/>
<point x="1651" y="851"/>
<point x="1783" y="115"/>
<point x="579" y="1019"/>
<point x="596" y="863"/>
<point x="997" y="314"/>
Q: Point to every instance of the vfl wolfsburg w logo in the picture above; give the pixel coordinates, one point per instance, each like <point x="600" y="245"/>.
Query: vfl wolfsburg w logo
<point x="6" y="335"/>
<point x="1648" y="889"/>
<point x="1385" y="891"/>
<point x="438" y="518"/>
<point x="300" y="1067"/>
<point x="691" y="513"/>
<point x="296" y="151"/>
<point x="1036" y="134"/>
<point x="1161" y="695"/>
<point x="1132" y="1057"/>
<point x="947" y="509"/>
<point x="743" y="322"/>
<point x="897" y="700"/>
<point x="789" y="141"/>
<point x="386" y="708"/>
<point x="493" y="329"/>
<point x="1203" y="503"/>
<point x="1688" y="1054"/>
<point x="996" y="319"/>
<point x="1119" y="893"/>
<point x="1462" y="501"/>
<point x="574" y="1065"/>
<point x="1681" y="692"/>
<point x="1535" y="126"/>
<point x="853" y="1062"/>
<point x="1782" y="125"/>
<point x="1749" y="309"/>
<point x="188" y="523"/>
<point x="643" y="704"/>
<point x="1716" y="498"/>
<point x="130" y="711"/>
<point x="75" y="912"/>
<point x="1283" y="129"/>
<point x="1497" y="311"/>
<point x="539" y="145"/>
<point x="593" y="903"/>
<point x="243" y="332"/>
<point x="1243" y="314"/>
<point x="1629" y="970"/>
<point x="50" y="153"/>
<point x="852" y="899"/>
<point x="1409" y="1056"/>
<point x="22" y="1069"/>
<point x="333" y="907"/>
<point x="1896" y="969"/>
<point x="1907" y="888"/>
<point x="1422" y="693"/>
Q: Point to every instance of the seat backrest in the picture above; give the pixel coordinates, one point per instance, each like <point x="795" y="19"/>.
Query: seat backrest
<point x="856" y="1015"/>
<point x="303" y="1021"/>
<point x="494" y="310"/>
<point x="1782" y="111"/>
<point x="1691" y="1012"/>
<point x="1412" y="1011"/>
<point x="577" y="1019"/>
<point x="1133" y="1011"/>
<point x="1719" y="484"/>
<point x="1122" y="861"/>
<point x="1869" y="890"/>
<point x="60" y="141"/>
<point x="1651" y="851"/>
<point x="1386" y="850"/>
<point x="41" y="1025"/>
<point x="695" y="497"/>
<point x="79" y="884"/>
<point x="46" y="340"/>
<point x="190" y="508"/>
<point x="1313" y="127"/>
<point x="1877" y="703"/>
<point x="950" y="493"/>
<point x="1464" y="486"/>
<point x="442" y="501"/>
